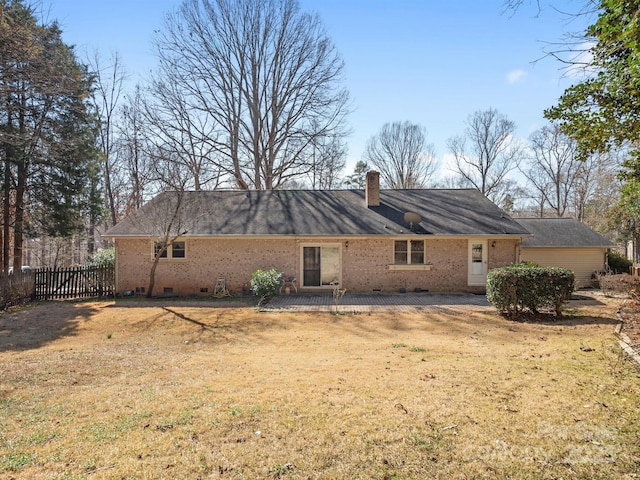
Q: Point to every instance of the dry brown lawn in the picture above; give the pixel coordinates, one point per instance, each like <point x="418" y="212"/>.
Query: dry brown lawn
<point x="134" y="390"/>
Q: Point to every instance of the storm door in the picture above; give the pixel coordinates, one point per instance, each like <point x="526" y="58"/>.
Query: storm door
<point x="477" y="274"/>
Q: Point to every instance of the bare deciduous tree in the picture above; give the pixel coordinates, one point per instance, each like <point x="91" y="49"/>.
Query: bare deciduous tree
<point x="182" y="132"/>
<point x="169" y="215"/>
<point x="135" y="166"/>
<point x="563" y="185"/>
<point x="597" y="188"/>
<point x="552" y="169"/>
<point x="402" y="155"/>
<point x="264" y="79"/>
<point x="327" y="163"/>
<point x="169" y="223"/>
<point x="109" y="81"/>
<point x="487" y="152"/>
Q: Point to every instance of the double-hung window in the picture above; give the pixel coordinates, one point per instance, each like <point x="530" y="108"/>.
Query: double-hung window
<point x="408" y="252"/>
<point x="173" y="250"/>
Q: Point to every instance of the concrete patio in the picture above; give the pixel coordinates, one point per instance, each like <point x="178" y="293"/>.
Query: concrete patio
<point x="378" y="302"/>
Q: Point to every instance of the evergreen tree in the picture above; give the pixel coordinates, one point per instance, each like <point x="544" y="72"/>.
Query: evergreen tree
<point x="358" y="178"/>
<point x="47" y="134"/>
<point x="601" y="112"/>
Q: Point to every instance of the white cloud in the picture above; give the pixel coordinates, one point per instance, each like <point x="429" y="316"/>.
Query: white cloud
<point x="515" y="76"/>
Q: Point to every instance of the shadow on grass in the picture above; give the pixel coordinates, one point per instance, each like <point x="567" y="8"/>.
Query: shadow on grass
<point x="202" y="325"/>
<point x="211" y="315"/>
<point x="32" y="326"/>
<point x="200" y="319"/>
<point x="578" y="299"/>
<point x="204" y="302"/>
<point x="566" y="320"/>
<point x="213" y="320"/>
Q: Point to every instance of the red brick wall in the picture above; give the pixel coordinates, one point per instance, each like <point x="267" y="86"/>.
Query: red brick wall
<point x="365" y="263"/>
<point x="234" y="259"/>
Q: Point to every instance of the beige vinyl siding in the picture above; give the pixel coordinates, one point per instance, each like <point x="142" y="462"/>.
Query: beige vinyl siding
<point x="582" y="261"/>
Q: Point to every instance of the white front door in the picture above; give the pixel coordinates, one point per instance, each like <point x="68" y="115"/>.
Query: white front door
<point x="477" y="262"/>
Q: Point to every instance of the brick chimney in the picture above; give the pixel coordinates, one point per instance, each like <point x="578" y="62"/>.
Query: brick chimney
<point x="372" y="189"/>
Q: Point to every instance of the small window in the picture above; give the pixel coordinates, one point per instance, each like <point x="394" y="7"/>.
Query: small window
<point x="400" y="252"/>
<point x="417" y="251"/>
<point x="158" y="246"/>
<point x="177" y="250"/>
<point x="174" y="250"/>
<point x="408" y="252"/>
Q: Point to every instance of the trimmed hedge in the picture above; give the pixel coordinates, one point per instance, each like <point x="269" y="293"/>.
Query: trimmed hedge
<point x="617" y="262"/>
<point x="519" y="287"/>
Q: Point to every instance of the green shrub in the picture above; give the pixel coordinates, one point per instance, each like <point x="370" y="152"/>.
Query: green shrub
<point x="266" y="283"/>
<point x="519" y="287"/>
<point x="103" y="258"/>
<point x="618" y="263"/>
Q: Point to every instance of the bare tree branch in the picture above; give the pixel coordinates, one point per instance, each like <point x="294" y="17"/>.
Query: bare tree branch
<point x="402" y="155"/>
<point x="109" y="81"/>
<point x="263" y="78"/>
<point x="552" y="169"/>
<point x="487" y="152"/>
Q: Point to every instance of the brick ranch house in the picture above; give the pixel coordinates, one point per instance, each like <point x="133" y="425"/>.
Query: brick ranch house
<point x="365" y="240"/>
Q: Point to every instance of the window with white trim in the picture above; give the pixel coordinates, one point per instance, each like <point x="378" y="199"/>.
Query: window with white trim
<point x="408" y="252"/>
<point x="174" y="250"/>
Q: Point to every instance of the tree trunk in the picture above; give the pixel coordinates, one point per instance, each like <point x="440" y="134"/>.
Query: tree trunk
<point x="18" y="228"/>
<point x="6" y="214"/>
<point x="152" y="274"/>
<point x="152" y="277"/>
<point x="91" y="243"/>
<point x="109" y="192"/>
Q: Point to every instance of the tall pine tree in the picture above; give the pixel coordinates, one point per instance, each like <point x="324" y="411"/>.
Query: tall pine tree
<point x="47" y="132"/>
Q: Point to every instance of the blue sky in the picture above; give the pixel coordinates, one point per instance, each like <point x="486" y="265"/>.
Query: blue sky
<point x="432" y="62"/>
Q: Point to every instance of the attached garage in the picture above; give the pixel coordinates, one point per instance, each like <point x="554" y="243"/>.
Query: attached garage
<point x="564" y="242"/>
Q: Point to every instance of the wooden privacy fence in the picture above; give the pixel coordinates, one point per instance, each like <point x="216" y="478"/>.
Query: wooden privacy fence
<point x="74" y="282"/>
<point x="55" y="284"/>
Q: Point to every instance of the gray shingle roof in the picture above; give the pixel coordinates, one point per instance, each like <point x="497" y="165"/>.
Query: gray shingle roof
<point x="328" y="213"/>
<point x="561" y="232"/>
